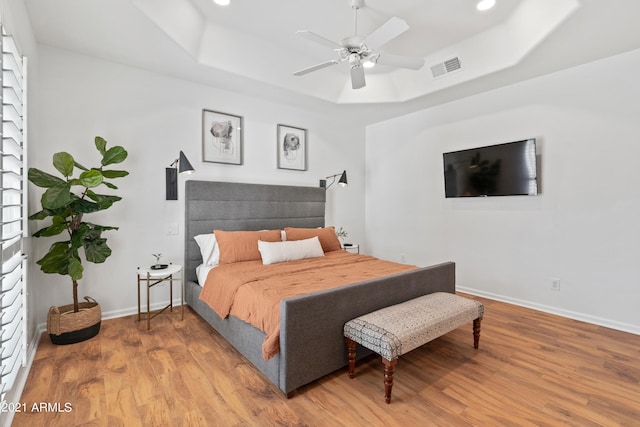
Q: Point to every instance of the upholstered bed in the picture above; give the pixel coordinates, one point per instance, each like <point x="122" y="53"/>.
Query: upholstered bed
<point x="311" y="326"/>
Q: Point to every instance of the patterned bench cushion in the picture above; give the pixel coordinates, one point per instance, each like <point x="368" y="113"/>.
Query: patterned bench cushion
<point x="398" y="329"/>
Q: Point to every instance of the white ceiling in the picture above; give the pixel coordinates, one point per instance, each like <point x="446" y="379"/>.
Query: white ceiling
<point x="251" y="46"/>
<point x="434" y="24"/>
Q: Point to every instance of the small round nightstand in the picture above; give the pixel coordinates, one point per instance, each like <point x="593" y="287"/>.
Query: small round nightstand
<point x="154" y="277"/>
<point x="351" y="247"/>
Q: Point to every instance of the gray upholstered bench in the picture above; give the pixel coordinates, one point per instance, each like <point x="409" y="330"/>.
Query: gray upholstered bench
<point x="396" y="330"/>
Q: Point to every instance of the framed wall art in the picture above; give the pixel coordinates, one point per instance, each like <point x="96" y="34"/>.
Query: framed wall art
<point x="292" y="148"/>
<point x="221" y="137"/>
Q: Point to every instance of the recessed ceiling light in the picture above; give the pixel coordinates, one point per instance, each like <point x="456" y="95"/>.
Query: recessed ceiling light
<point x="485" y="4"/>
<point x="222" y="2"/>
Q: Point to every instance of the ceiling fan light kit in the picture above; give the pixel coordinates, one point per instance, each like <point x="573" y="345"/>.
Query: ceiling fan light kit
<point x="371" y="61"/>
<point x="361" y="52"/>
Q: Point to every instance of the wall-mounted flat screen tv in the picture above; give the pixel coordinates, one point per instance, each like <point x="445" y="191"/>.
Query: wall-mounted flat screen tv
<point x="495" y="170"/>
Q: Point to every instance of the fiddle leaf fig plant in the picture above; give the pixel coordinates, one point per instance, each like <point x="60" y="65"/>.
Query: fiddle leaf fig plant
<point x="65" y="202"/>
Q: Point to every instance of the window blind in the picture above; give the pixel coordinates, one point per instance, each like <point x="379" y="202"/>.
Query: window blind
<point x="12" y="305"/>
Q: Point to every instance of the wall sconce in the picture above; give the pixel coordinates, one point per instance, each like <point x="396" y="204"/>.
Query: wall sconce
<point x="342" y="181"/>
<point x="182" y="166"/>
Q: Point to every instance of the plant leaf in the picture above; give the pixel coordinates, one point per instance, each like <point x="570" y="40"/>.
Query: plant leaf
<point x="59" y="219"/>
<point x="84" y="206"/>
<point x="39" y="215"/>
<point x="44" y="213"/>
<point x="91" y="178"/>
<point x="96" y="250"/>
<point x="79" y="166"/>
<point x="64" y="163"/>
<point x="103" y="201"/>
<point x="56" y="260"/>
<point x="101" y="144"/>
<point x="110" y="185"/>
<point x="78" y="236"/>
<point x="114" y="174"/>
<point x="52" y="230"/>
<point x="43" y="179"/>
<point x="93" y="196"/>
<point x="63" y="211"/>
<point x="75" y="269"/>
<point x="114" y="155"/>
<point x="97" y="229"/>
<point x="57" y="196"/>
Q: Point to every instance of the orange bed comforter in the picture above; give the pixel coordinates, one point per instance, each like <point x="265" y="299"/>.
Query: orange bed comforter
<point x="252" y="292"/>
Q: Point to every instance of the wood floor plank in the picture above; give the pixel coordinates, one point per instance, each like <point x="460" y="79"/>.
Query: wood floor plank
<point x="532" y="369"/>
<point x="122" y="409"/>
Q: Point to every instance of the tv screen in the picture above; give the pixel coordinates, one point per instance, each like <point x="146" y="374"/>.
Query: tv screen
<point x="496" y="170"/>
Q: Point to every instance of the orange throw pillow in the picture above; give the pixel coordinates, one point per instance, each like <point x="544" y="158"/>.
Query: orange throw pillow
<point x="237" y="246"/>
<point x="327" y="236"/>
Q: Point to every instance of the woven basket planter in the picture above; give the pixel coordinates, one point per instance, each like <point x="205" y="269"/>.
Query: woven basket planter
<point x="66" y="327"/>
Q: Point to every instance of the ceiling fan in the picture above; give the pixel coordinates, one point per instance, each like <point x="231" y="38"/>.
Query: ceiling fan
<point x="361" y="51"/>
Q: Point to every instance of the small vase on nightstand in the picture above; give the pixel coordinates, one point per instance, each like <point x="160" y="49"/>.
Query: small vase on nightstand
<point x="157" y="265"/>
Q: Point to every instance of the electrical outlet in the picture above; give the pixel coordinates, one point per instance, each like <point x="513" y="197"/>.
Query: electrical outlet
<point x="403" y="257"/>
<point x="555" y="284"/>
<point x="172" y="228"/>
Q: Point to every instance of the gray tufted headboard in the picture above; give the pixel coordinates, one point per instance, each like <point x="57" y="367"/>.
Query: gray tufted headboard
<point x="213" y="205"/>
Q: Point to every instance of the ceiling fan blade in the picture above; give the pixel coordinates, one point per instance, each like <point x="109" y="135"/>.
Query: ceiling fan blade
<point x="410" y="62"/>
<point x="315" y="67"/>
<point x="318" y="39"/>
<point x="385" y="33"/>
<point x="357" y="77"/>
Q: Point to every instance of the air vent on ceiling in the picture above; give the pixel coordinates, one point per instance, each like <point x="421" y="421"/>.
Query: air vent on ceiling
<point x="446" y="67"/>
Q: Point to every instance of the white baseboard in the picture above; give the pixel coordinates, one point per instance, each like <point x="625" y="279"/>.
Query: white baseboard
<point x="114" y="314"/>
<point x="620" y="326"/>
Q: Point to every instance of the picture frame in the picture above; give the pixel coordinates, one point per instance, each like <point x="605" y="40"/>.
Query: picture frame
<point x="222" y="137"/>
<point x="292" y="148"/>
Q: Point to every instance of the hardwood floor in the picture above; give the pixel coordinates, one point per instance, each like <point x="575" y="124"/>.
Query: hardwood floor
<point x="532" y="369"/>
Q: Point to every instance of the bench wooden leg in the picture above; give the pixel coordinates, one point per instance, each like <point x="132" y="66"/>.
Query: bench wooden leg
<point x="388" y="377"/>
<point x="476" y="332"/>
<point x="351" y="354"/>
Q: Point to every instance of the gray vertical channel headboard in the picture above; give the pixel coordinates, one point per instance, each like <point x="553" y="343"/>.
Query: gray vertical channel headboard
<point x="211" y="205"/>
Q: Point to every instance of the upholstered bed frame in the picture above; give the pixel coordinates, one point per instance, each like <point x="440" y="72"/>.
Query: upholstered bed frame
<point x="311" y="336"/>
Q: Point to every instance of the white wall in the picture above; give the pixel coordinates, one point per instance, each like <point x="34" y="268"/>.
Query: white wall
<point x="582" y="229"/>
<point x="154" y="117"/>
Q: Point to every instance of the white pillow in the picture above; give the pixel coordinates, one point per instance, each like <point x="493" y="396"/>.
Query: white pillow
<point x="202" y="271"/>
<point x="208" y="248"/>
<point x="273" y="252"/>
